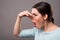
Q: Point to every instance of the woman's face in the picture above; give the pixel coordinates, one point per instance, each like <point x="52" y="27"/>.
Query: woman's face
<point x="37" y="19"/>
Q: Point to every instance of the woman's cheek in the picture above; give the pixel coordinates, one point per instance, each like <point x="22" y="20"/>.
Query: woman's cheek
<point x="38" y="19"/>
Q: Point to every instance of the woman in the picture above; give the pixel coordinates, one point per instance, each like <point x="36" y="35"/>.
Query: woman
<point x="42" y="18"/>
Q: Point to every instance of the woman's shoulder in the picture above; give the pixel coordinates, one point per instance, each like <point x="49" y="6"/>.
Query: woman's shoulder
<point x="58" y="30"/>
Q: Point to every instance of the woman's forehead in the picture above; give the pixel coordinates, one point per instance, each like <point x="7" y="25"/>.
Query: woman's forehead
<point x="34" y="10"/>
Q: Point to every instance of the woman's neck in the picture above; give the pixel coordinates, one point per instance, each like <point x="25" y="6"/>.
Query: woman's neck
<point x="49" y="26"/>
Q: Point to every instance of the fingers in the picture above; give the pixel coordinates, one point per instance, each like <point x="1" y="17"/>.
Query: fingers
<point x="29" y="14"/>
<point x="25" y="13"/>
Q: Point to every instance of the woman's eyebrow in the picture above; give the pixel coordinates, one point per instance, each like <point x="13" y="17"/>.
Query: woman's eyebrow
<point x="33" y="13"/>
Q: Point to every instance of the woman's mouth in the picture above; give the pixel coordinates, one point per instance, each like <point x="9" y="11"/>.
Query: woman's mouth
<point x="34" y="24"/>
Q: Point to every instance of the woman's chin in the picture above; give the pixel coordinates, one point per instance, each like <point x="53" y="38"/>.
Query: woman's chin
<point x="38" y="27"/>
<point x="34" y="25"/>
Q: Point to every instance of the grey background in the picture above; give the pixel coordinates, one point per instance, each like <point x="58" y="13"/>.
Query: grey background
<point x="8" y="13"/>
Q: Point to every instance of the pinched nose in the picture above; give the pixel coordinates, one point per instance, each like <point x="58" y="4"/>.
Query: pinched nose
<point x="31" y="16"/>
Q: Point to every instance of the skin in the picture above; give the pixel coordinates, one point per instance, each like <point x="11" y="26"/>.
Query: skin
<point x="37" y="19"/>
<point x="41" y="22"/>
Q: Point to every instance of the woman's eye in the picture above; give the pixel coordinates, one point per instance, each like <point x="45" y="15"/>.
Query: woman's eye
<point x="34" y="14"/>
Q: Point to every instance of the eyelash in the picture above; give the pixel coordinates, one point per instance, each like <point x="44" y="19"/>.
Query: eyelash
<point x="34" y="14"/>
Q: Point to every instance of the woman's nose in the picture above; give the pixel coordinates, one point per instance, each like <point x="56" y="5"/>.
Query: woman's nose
<point x="31" y="16"/>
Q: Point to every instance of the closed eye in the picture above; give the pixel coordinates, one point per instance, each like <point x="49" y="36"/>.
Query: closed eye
<point x="34" y="14"/>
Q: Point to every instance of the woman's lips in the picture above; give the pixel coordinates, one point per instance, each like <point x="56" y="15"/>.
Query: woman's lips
<point x="34" y="24"/>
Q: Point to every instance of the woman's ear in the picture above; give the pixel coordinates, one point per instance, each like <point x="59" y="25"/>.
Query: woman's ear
<point x="45" y="16"/>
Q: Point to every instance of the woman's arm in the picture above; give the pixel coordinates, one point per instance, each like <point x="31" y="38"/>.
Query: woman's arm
<point x="17" y="27"/>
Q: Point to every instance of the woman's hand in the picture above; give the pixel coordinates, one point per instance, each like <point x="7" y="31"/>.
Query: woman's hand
<point x="25" y="13"/>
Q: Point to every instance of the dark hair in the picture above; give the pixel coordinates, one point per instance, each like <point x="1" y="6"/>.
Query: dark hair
<point x="45" y="8"/>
